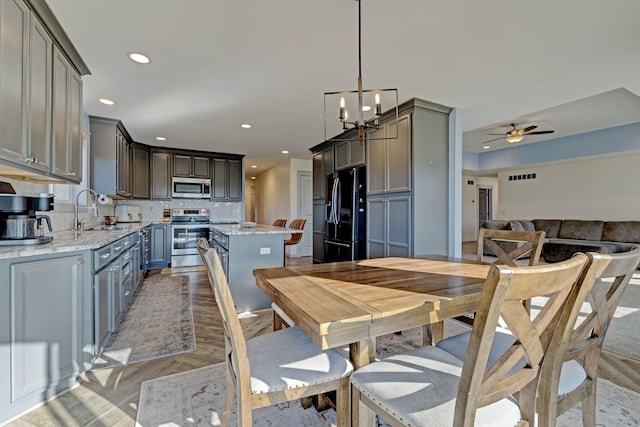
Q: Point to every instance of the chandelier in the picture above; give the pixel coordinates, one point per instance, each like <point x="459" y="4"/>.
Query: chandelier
<point x="360" y="109"/>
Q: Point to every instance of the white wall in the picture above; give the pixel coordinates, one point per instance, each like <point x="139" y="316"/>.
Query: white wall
<point x="605" y="189"/>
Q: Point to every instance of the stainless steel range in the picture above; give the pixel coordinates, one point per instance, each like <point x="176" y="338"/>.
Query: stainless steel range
<point x="187" y="226"/>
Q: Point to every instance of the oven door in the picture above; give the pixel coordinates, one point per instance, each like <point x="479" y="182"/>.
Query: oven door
<point x="184" y="238"/>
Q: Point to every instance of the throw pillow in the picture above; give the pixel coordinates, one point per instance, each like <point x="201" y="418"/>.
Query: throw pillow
<point x="517" y="226"/>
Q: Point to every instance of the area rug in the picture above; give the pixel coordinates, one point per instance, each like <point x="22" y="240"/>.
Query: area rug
<point x="174" y="270"/>
<point x="159" y="323"/>
<point x="195" y="398"/>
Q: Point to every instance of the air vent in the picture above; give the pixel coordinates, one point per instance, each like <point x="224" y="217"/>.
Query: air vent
<point x="522" y="177"/>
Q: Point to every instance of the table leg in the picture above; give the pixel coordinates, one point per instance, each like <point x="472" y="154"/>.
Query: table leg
<point x="433" y="333"/>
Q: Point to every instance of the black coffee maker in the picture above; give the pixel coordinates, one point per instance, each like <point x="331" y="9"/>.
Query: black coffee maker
<point x="19" y="224"/>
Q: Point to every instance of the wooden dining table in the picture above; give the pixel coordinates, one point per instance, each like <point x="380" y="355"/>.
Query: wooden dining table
<point x="353" y="302"/>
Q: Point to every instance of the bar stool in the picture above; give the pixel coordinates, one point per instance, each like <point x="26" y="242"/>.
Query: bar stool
<point x="280" y="222"/>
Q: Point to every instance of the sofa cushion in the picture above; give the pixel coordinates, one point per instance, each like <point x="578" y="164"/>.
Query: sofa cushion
<point x="516" y="226"/>
<point x="622" y="231"/>
<point x="581" y="229"/>
<point x="556" y="250"/>
<point x="551" y="227"/>
<point x="495" y="224"/>
<point x="527" y="225"/>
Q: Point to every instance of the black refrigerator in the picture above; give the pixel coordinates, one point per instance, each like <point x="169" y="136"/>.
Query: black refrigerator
<point x="346" y="216"/>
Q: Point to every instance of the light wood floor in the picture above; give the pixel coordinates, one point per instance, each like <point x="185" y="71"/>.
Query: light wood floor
<point x="109" y="397"/>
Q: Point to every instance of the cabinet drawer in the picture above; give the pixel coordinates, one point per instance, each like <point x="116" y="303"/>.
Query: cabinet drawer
<point x="119" y="246"/>
<point x="133" y="239"/>
<point x="102" y="257"/>
<point x="222" y="239"/>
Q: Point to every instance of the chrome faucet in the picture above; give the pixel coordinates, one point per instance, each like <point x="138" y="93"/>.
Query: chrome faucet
<point x="77" y="224"/>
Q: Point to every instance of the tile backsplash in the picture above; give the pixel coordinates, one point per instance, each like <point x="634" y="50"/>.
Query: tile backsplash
<point x="62" y="215"/>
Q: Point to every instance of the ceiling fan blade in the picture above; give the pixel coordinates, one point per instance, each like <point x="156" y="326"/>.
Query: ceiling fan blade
<point x="503" y="134"/>
<point x="491" y="140"/>
<point x="540" y="132"/>
<point x="528" y="128"/>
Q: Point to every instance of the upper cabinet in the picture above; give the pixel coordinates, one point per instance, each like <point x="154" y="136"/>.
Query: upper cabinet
<point x="140" y="171"/>
<point x="191" y="166"/>
<point x="349" y="154"/>
<point x="160" y="175"/>
<point x="389" y="160"/>
<point x="40" y="94"/>
<point x="110" y="157"/>
<point x="227" y="180"/>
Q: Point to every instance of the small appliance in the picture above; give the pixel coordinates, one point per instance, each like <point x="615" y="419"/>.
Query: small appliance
<point x="19" y="223"/>
<point x="128" y="213"/>
<point x="191" y="188"/>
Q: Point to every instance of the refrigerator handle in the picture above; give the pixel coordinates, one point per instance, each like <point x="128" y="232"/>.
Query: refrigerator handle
<point x="334" y="201"/>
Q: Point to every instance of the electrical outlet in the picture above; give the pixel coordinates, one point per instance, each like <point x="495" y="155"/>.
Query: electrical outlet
<point x="265" y="251"/>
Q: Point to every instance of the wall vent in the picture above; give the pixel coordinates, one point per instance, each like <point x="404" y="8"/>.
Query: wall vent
<point x="521" y="177"/>
<point x="470" y="182"/>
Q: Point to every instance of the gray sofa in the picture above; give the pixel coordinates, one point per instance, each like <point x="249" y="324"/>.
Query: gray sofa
<point x="568" y="236"/>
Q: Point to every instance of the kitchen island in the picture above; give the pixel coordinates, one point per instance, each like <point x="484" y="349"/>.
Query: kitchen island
<point x="241" y="250"/>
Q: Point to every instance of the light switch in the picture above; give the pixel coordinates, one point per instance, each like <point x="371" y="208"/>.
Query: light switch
<point x="265" y="251"/>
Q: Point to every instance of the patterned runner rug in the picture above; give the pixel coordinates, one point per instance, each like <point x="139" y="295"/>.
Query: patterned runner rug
<point x="159" y="323"/>
<point x="195" y="398"/>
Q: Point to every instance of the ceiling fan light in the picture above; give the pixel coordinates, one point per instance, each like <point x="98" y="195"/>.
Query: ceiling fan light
<point x="514" y="138"/>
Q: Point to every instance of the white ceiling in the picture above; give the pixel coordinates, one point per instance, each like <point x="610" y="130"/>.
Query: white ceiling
<point x="217" y="64"/>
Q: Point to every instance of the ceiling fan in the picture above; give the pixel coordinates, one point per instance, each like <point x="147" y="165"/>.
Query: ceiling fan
<point x="517" y="135"/>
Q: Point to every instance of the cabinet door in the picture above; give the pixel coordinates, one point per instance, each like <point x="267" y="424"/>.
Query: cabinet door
<point x="318" y="177"/>
<point x="45" y="349"/>
<point x="124" y="165"/>
<point x="318" y="231"/>
<point x="219" y="190"/>
<point x="102" y="304"/>
<point x="75" y="127"/>
<point x="160" y="246"/>
<point x="398" y="226"/>
<point x="399" y="156"/>
<point x="376" y="162"/>
<point x="160" y="176"/>
<point x="140" y="173"/>
<point x="14" y="62"/>
<point x="376" y="227"/>
<point x="181" y="165"/>
<point x="327" y="161"/>
<point x="200" y="167"/>
<point x="235" y="180"/>
<point x="356" y="153"/>
<point x="342" y="155"/>
<point x="39" y="97"/>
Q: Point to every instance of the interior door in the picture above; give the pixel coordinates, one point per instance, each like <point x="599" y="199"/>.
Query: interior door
<point x="305" y="211"/>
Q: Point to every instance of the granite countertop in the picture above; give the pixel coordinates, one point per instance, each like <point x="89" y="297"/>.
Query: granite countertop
<point x="71" y="241"/>
<point x="236" y="229"/>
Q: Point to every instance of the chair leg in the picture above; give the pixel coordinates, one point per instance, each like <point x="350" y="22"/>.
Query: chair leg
<point x="589" y="408"/>
<point x="343" y="403"/>
<point x="228" y="398"/>
<point x="277" y="322"/>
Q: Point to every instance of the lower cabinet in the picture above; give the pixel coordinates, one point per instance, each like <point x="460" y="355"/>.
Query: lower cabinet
<point x="160" y="235"/>
<point x="389" y="226"/>
<point x="45" y="327"/>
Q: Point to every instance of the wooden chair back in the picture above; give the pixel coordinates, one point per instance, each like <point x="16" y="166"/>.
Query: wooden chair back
<point x="482" y="381"/>
<point x="581" y="338"/>
<point x="280" y="222"/>
<point x="297" y="224"/>
<point x="527" y="242"/>
<point x="235" y="345"/>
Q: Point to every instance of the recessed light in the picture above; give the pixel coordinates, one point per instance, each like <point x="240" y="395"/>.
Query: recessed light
<point x="486" y="147"/>
<point x="254" y="166"/>
<point x="285" y="152"/>
<point x="246" y="126"/>
<point x="161" y="138"/>
<point x="139" y="58"/>
<point x="366" y="108"/>
<point x="106" y="101"/>
<point x="253" y="177"/>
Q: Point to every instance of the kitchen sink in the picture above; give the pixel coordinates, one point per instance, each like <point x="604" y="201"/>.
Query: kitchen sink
<point x="104" y="228"/>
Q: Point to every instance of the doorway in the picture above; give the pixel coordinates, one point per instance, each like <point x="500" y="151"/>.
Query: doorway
<point x="485" y="203"/>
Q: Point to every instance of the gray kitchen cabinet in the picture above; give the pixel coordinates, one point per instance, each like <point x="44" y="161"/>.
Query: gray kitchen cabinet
<point x="227" y="180"/>
<point x="349" y="154"/>
<point x="110" y="157"/>
<point x="323" y="165"/>
<point x="389" y="226"/>
<point x="319" y="212"/>
<point x="25" y="69"/>
<point x="389" y="160"/>
<point x="160" y="175"/>
<point x="40" y="94"/>
<point x="46" y="327"/>
<point x="102" y="284"/>
<point x="140" y="171"/>
<point x="160" y="235"/>
<point x="191" y="166"/>
<point x="66" y="119"/>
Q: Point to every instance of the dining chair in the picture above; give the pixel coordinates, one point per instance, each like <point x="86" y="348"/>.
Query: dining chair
<point x="276" y="367"/>
<point x="570" y="371"/>
<point x="508" y="246"/>
<point x="280" y="222"/>
<point x="429" y="386"/>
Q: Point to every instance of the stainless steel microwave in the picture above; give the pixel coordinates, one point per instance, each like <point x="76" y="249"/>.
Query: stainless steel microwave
<point x="191" y="188"/>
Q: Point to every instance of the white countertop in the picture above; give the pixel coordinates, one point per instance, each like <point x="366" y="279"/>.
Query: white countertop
<point x="71" y="241"/>
<point x="236" y="229"/>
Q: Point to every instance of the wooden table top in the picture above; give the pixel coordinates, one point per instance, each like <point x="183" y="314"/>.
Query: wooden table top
<point x="345" y="302"/>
